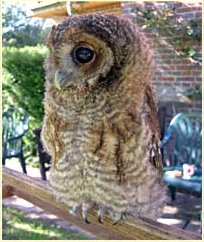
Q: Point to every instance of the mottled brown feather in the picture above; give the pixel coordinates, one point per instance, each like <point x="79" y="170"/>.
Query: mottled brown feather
<point x="100" y="124"/>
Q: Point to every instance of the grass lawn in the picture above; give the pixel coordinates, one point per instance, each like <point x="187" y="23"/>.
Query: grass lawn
<point x="16" y="226"/>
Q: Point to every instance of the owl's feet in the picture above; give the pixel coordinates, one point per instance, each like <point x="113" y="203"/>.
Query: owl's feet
<point x="85" y="211"/>
<point x="101" y="212"/>
<point x="85" y="207"/>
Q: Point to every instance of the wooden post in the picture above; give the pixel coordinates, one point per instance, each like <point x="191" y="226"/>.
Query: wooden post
<point x="38" y="192"/>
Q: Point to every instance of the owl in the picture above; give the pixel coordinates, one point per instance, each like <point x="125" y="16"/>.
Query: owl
<point x="100" y="124"/>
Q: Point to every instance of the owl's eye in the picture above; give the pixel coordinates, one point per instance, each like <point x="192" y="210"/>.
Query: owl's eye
<point x="83" y="54"/>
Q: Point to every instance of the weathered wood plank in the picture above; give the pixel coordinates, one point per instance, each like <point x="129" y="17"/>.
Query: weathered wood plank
<point x="38" y="192"/>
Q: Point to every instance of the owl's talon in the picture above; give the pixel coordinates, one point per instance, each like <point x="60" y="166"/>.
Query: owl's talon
<point x="85" y="215"/>
<point x="99" y="220"/>
<point x="118" y="219"/>
<point x="87" y="221"/>
<point x="74" y="210"/>
<point x="101" y="212"/>
<point x="85" y="210"/>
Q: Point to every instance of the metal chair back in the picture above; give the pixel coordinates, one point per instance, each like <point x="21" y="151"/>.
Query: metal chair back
<point x="185" y="134"/>
<point x="14" y="126"/>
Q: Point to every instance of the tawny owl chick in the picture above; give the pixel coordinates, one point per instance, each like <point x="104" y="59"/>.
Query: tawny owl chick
<point x="100" y="124"/>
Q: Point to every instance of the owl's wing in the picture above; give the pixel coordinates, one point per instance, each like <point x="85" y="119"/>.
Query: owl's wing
<point x="153" y="124"/>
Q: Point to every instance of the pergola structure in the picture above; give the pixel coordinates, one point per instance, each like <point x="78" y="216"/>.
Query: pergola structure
<point x="59" y="10"/>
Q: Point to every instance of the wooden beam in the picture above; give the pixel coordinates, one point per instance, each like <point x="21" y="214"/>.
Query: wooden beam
<point x="48" y="10"/>
<point x="59" y="9"/>
<point x="101" y="6"/>
<point x="38" y="192"/>
<point x="93" y="4"/>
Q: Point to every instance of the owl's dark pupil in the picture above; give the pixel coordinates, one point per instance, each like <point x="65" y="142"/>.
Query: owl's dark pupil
<point x="83" y="54"/>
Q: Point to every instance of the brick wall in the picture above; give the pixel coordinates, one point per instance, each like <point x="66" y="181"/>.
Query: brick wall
<point x="172" y="74"/>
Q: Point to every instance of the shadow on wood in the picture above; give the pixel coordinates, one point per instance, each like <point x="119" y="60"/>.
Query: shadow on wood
<point x="38" y="192"/>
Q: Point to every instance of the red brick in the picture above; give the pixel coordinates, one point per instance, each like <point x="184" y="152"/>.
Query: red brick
<point x="183" y="10"/>
<point x="165" y="78"/>
<point x="167" y="56"/>
<point x="128" y="5"/>
<point x="185" y="73"/>
<point x="180" y="61"/>
<point x="178" y="4"/>
<point x="183" y="67"/>
<point x="185" y="79"/>
<point x="193" y="8"/>
<point x="165" y="67"/>
<point x="197" y="73"/>
<point x="189" y="15"/>
<point x="198" y="14"/>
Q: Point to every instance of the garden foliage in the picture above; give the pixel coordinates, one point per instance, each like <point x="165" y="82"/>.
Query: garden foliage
<point x="183" y="34"/>
<point x="23" y="83"/>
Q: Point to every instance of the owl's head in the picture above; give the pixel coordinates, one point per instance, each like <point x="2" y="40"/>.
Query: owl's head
<point x="94" y="50"/>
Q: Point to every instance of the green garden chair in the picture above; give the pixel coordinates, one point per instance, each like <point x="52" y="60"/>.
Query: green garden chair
<point x="14" y="126"/>
<point x="183" y="142"/>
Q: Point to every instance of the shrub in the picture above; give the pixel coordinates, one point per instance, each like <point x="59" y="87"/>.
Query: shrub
<point x="23" y="84"/>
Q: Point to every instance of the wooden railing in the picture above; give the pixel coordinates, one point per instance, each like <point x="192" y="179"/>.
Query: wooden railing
<point x="38" y="192"/>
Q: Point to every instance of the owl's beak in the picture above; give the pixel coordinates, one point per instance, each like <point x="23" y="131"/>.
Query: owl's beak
<point x="57" y="79"/>
<point x="61" y="79"/>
